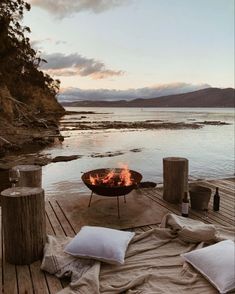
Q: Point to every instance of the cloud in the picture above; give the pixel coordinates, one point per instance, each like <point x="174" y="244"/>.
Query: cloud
<point x="59" y="64"/>
<point x="38" y="44"/>
<point x="63" y="8"/>
<point x="74" y="94"/>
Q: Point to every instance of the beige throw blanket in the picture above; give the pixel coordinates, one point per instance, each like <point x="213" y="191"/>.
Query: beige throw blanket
<point x="152" y="265"/>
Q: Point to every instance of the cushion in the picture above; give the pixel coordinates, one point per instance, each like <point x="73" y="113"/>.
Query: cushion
<point x="216" y="263"/>
<point x="100" y="243"/>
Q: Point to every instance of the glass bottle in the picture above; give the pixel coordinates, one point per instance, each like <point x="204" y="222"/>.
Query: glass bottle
<point x="216" y="200"/>
<point x="185" y="205"/>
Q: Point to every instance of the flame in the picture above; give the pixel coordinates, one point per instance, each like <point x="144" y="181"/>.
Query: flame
<point x="108" y="177"/>
<point x="94" y="179"/>
<point x="113" y="178"/>
<point x="125" y="176"/>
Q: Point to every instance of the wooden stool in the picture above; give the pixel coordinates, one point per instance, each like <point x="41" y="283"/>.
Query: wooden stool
<point x="23" y="223"/>
<point x="30" y="175"/>
<point x="175" y="178"/>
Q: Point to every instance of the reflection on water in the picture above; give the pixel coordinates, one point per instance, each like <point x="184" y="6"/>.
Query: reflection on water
<point x="210" y="150"/>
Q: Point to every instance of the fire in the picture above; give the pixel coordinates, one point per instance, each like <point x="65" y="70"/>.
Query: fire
<point x="94" y="179"/>
<point x="125" y="176"/>
<point x="114" y="177"/>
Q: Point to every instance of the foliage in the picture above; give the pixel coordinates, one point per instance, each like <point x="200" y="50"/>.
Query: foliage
<point x="19" y="63"/>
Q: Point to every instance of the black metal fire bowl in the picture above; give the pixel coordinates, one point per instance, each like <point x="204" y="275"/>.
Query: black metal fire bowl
<point x="106" y="190"/>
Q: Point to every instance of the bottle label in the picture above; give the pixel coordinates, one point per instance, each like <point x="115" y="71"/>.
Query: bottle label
<point x="185" y="208"/>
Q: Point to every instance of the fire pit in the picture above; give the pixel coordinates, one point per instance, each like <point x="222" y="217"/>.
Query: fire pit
<point x="111" y="182"/>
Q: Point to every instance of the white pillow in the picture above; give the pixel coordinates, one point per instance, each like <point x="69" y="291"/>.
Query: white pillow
<point x="100" y="243"/>
<point x="216" y="263"/>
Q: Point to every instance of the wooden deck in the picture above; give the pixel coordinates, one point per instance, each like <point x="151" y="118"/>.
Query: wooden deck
<point x="29" y="279"/>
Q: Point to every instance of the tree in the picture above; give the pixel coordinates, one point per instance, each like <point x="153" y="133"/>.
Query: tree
<point x="19" y="63"/>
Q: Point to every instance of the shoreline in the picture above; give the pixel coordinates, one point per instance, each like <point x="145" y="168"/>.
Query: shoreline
<point x="145" y="107"/>
<point x="22" y="145"/>
<point x="34" y="152"/>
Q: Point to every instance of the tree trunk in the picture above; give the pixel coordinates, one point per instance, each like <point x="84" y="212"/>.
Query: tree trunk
<point x="30" y="175"/>
<point x="24" y="227"/>
<point x="175" y="178"/>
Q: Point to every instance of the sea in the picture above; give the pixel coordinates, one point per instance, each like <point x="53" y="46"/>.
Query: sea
<point x="210" y="149"/>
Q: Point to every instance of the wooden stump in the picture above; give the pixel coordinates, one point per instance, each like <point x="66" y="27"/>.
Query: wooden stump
<point x="23" y="223"/>
<point x="175" y="179"/>
<point x="30" y="175"/>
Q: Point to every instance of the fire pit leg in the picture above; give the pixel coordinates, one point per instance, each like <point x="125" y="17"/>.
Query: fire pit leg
<point x="118" y="206"/>
<point x="124" y="198"/>
<point x="90" y="199"/>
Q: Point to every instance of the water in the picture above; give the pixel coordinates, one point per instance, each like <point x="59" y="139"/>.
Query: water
<point x="210" y="150"/>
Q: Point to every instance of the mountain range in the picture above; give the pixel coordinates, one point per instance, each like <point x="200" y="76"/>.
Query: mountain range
<point x="209" y="97"/>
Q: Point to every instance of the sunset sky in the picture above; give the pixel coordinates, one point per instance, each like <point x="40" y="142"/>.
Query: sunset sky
<point x="115" y="49"/>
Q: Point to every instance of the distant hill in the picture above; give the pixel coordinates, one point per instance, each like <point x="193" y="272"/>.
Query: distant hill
<point x="210" y="97"/>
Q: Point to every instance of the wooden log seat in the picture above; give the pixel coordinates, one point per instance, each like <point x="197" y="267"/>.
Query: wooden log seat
<point x="175" y="178"/>
<point x="30" y="175"/>
<point x="23" y="222"/>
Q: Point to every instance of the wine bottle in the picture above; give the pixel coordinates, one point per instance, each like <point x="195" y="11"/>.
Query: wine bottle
<point x="185" y="205"/>
<point x="216" y="200"/>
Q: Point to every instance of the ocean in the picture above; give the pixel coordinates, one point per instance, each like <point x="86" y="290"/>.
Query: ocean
<point x="210" y="149"/>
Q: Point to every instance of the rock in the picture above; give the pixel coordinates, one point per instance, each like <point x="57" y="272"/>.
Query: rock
<point x="79" y="112"/>
<point x="65" y="158"/>
<point x="41" y="161"/>
<point x="107" y="154"/>
<point x="136" y="150"/>
<point x="214" y="122"/>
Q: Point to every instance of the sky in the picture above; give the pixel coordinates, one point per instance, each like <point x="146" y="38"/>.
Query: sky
<point x="125" y="49"/>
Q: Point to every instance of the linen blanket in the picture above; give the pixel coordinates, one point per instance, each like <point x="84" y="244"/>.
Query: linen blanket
<point x="152" y="265"/>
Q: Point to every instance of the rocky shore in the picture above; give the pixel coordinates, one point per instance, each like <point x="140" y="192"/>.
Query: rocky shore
<point x="27" y="126"/>
<point x="22" y="139"/>
<point x="147" y="124"/>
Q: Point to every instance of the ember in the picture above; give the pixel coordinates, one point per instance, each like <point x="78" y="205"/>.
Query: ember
<point x="114" y="177"/>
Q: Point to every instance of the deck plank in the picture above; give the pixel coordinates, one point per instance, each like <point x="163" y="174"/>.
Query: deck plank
<point x="24" y="280"/>
<point x="231" y="180"/>
<point x="63" y="220"/>
<point x="9" y="274"/>
<point x="49" y="228"/>
<point x="53" y="283"/>
<point x="229" y="192"/>
<point x="38" y="278"/>
<point x="9" y="279"/>
<point x="228" y="184"/>
<point x="53" y="220"/>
